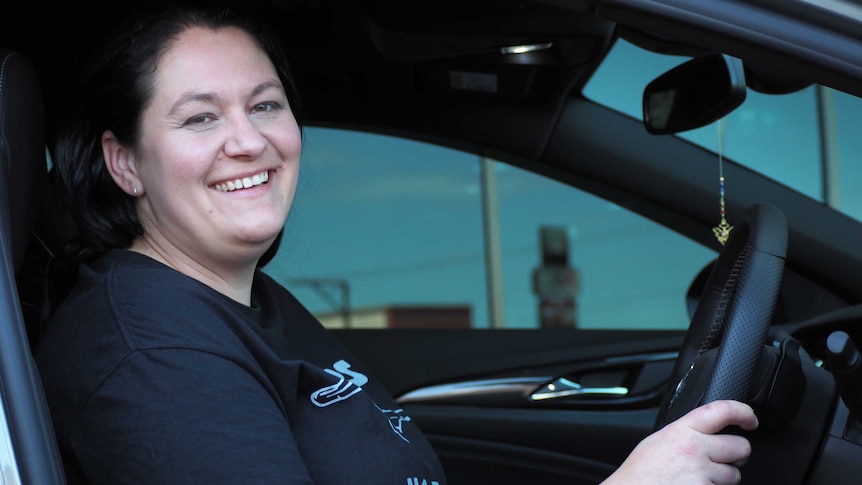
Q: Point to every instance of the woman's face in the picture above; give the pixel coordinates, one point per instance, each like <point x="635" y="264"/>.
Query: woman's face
<point x="218" y="158"/>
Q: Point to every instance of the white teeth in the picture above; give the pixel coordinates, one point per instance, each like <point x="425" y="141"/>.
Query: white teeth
<point x="243" y="183"/>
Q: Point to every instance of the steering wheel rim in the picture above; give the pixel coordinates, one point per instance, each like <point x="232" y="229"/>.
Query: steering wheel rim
<point x="723" y="350"/>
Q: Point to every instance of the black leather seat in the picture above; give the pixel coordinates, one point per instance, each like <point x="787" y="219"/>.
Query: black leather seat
<point x="22" y="149"/>
<point x="24" y="179"/>
<point x="37" y="224"/>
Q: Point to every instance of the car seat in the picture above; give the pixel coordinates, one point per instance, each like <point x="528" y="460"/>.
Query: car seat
<point x="25" y="423"/>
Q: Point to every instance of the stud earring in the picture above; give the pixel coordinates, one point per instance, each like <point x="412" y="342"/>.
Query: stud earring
<point x="135" y="190"/>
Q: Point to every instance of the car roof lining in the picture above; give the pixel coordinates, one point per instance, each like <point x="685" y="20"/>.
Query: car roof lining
<point x="753" y="33"/>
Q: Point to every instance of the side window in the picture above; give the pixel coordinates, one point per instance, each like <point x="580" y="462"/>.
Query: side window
<point x="393" y="233"/>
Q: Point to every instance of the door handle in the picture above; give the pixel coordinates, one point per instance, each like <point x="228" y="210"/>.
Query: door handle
<point x="562" y="387"/>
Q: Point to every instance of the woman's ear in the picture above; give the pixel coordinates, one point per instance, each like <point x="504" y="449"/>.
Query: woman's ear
<point x="120" y="162"/>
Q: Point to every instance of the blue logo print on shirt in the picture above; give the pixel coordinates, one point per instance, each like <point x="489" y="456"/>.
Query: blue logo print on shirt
<point x="349" y="383"/>
<point x="396" y="420"/>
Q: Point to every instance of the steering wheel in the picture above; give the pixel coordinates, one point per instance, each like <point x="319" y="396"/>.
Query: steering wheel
<point x="723" y="352"/>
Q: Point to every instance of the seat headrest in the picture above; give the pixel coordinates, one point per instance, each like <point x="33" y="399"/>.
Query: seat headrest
<point x="23" y="162"/>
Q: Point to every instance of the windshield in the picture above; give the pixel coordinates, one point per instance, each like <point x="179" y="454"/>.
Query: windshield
<point x="806" y="140"/>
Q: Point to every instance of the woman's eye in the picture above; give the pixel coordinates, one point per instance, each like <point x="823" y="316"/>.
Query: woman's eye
<point x="199" y="119"/>
<point x="267" y="106"/>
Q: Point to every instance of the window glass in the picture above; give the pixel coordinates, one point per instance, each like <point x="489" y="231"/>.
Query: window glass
<point x="615" y="256"/>
<point x="776" y="135"/>
<point x="386" y="232"/>
<point x="846" y="112"/>
<point x="379" y="223"/>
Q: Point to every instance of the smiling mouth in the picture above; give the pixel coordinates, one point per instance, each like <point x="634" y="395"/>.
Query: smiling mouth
<point x="243" y="183"/>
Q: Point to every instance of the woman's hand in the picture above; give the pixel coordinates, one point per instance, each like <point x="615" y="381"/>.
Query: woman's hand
<point x="688" y="451"/>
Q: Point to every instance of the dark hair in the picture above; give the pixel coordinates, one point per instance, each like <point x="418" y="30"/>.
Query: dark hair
<point x="110" y="93"/>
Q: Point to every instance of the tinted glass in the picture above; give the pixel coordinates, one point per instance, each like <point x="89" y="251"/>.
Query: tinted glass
<point x="387" y="232"/>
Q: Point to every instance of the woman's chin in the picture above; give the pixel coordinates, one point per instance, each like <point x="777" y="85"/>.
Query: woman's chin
<point x="255" y="234"/>
<point x="260" y="238"/>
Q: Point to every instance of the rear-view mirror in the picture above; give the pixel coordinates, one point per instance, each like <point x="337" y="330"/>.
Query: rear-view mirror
<point x="694" y="94"/>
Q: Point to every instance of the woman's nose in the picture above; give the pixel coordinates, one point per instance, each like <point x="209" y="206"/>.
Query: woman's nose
<point x="244" y="139"/>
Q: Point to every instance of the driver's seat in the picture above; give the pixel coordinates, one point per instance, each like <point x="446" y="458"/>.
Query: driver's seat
<point x="25" y="421"/>
<point x="22" y="149"/>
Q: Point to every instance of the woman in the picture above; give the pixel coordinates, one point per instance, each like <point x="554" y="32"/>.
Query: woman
<point x="173" y="358"/>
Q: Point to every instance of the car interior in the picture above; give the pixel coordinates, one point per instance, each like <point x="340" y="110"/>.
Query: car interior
<point x="773" y="315"/>
<point x="24" y="171"/>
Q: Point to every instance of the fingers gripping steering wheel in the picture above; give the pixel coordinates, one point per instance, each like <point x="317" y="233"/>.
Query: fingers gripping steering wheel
<point x="723" y="352"/>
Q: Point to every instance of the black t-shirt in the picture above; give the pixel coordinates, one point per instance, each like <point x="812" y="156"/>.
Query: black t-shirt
<point x="154" y="377"/>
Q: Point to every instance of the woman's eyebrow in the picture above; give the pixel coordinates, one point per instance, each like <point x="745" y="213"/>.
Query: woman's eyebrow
<point x="265" y="86"/>
<point x="208" y="97"/>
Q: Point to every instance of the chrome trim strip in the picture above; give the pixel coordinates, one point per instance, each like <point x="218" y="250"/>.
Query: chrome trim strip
<point x="468" y="390"/>
<point x="519" y="390"/>
<point x="642" y="358"/>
